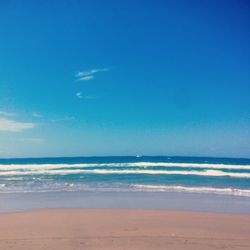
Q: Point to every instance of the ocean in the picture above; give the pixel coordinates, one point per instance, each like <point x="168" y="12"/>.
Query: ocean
<point x="220" y="176"/>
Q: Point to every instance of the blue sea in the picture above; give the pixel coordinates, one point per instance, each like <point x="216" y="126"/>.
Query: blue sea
<point x="141" y="173"/>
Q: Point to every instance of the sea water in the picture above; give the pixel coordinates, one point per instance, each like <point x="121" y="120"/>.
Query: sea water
<point x="182" y="183"/>
<point x="141" y="176"/>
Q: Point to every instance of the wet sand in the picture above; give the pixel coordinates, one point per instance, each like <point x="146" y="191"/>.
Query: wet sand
<point x="116" y="229"/>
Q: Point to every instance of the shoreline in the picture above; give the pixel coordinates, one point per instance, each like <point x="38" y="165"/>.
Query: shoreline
<point x="116" y="229"/>
<point x="14" y="202"/>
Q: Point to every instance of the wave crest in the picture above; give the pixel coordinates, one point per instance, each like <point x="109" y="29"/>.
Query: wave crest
<point x="126" y="164"/>
<point x="217" y="173"/>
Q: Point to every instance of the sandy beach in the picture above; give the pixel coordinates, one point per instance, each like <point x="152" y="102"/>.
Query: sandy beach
<point x="136" y="229"/>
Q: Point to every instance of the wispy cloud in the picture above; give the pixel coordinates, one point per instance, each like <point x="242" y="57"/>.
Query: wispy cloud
<point x="88" y="75"/>
<point x="37" y="115"/>
<point x="32" y="140"/>
<point x="9" y="125"/>
<point x="90" y="97"/>
<point x="79" y="95"/>
<point x="3" y="113"/>
<point x="91" y="72"/>
<point x="85" y="78"/>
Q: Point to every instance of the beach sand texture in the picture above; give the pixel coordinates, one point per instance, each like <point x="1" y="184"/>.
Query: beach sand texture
<point x="116" y="229"/>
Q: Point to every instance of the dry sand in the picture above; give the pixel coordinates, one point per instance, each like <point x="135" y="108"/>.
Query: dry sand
<point x="61" y="229"/>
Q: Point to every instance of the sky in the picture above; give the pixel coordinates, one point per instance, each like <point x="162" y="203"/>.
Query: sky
<point x="90" y="78"/>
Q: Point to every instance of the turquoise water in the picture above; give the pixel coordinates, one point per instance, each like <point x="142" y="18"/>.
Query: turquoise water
<point x="127" y="174"/>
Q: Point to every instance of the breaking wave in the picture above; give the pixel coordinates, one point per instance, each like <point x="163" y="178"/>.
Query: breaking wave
<point x="127" y="171"/>
<point x="207" y="190"/>
<point x="127" y="164"/>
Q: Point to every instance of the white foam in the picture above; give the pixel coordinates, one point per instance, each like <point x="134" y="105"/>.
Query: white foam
<point x="164" y="188"/>
<point x="32" y="167"/>
<point x="128" y="171"/>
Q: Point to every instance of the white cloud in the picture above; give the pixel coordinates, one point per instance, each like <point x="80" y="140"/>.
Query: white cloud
<point x="91" y="72"/>
<point x="32" y="140"/>
<point x="85" y="73"/>
<point x="79" y="95"/>
<point x="37" y="115"/>
<point x="88" y="75"/>
<point x="85" y="78"/>
<point x="14" y="126"/>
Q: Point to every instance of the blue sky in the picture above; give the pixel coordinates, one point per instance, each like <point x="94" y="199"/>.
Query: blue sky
<point x="124" y="78"/>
